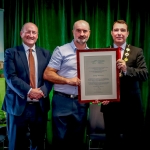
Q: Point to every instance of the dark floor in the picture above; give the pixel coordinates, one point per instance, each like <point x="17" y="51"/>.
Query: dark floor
<point x="49" y="147"/>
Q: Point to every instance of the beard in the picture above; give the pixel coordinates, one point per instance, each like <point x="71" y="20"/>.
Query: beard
<point x="81" y="41"/>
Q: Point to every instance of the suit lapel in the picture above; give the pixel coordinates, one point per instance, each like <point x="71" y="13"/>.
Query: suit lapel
<point x="23" y="56"/>
<point x="123" y="57"/>
<point x="126" y="52"/>
<point x="40" y="59"/>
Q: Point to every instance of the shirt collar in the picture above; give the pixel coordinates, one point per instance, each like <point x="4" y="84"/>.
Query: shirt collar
<point x="27" y="48"/>
<point x="74" y="47"/>
<point x="122" y="46"/>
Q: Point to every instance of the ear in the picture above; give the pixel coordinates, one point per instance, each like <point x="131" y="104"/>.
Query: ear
<point x="21" y="33"/>
<point x="128" y="33"/>
<point x="111" y="32"/>
<point x="89" y="32"/>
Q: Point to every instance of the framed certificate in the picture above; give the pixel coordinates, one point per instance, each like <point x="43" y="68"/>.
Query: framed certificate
<point x="97" y="70"/>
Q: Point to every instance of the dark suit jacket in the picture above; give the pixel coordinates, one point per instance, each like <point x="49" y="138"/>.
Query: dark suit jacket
<point x="16" y="73"/>
<point x="130" y="83"/>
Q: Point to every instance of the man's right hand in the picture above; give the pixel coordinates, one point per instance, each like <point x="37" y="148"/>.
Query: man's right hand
<point x="35" y="94"/>
<point x="74" y="81"/>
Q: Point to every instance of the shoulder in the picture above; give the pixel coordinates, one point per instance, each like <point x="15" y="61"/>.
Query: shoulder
<point x="63" y="50"/>
<point x="135" y="48"/>
<point x="14" y="49"/>
<point x="67" y="45"/>
<point x="43" y="50"/>
<point x="135" y="51"/>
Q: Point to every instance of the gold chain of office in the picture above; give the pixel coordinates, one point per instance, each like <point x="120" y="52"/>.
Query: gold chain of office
<point x="127" y="50"/>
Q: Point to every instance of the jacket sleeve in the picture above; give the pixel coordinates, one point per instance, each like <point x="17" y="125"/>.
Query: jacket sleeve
<point x="14" y="73"/>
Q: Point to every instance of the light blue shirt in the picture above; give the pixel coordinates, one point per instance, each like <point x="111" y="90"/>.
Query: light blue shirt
<point x="64" y="60"/>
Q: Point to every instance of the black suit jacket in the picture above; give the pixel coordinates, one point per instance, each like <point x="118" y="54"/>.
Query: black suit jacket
<point x="16" y="72"/>
<point x="130" y="83"/>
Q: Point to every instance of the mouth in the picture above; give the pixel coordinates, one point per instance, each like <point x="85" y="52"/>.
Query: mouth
<point x="119" y="38"/>
<point x="30" y="39"/>
<point x="81" y="38"/>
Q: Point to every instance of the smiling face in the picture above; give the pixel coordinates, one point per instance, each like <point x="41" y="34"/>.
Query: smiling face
<point x="29" y="34"/>
<point x="119" y="33"/>
<point x="81" y="32"/>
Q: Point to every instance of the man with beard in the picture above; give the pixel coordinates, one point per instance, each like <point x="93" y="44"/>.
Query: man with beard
<point x="68" y="115"/>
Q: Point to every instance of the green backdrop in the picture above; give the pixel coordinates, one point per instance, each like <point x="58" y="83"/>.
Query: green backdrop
<point x="55" y="19"/>
<point x="2" y="90"/>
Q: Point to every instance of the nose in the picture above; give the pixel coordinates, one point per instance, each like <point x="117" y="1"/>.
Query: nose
<point x="119" y="31"/>
<point x="82" y="33"/>
<point x="31" y="34"/>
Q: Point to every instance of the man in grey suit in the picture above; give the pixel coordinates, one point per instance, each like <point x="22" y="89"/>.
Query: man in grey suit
<point x="26" y="106"/>
<point x="126" y="117"/>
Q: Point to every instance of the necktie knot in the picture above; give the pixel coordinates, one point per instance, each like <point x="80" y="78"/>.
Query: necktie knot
<point x="30" y="50"/>
<point x="119" y="48"/>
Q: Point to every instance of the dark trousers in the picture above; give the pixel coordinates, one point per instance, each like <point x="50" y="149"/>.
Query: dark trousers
<point x="69" y="120"/>
<point x="113" y="129"/>
<point x="124" y="127"/>
<point x="32" y="120"/>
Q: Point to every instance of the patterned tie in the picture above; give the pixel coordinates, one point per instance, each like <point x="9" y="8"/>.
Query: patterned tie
<point x="31" y="69"/>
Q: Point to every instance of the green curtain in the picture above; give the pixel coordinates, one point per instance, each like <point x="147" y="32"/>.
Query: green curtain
<point x="55" y="19"/>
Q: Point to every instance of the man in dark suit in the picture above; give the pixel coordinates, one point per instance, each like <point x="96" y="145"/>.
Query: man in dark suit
<point x="126" y="117"/>
<point x="26" y="106"/>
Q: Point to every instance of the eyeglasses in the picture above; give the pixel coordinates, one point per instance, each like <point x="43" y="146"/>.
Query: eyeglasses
<point x="30" y="32"/>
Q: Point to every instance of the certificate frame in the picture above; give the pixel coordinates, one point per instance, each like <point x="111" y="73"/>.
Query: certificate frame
<point x="97" y="70"/>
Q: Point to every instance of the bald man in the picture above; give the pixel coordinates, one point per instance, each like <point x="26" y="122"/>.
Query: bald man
<point x="68" y="115"/>
<point x="26" y="105"/>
